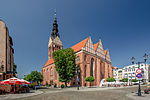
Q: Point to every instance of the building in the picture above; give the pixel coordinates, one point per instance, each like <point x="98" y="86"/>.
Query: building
<point x="6" y="53"/>
<point x="130" y="71"/>
<point x="91" y="59"/>
<point x="120" y="74"/>
<point x="115" y="73"/>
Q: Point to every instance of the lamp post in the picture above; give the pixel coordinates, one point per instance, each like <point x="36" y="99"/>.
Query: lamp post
<point x="145" y="59"/>
<point x="78" y="75"/>
<point x="133" y="59"/>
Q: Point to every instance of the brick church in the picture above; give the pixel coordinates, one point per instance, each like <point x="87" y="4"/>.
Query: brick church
<point x="91" y="59"/>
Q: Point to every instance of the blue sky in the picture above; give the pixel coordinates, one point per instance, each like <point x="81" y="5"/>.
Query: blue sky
<point x="122" y="25"/>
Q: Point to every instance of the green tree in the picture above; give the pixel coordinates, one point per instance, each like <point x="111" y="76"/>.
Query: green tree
<point x="110" y="79"/>
<point x="14" y="70"/>
<point x="124" y="80"/>
<point x="34" y="76"/>
<point x="89" y="79"/>
<point x="65" y="64"/>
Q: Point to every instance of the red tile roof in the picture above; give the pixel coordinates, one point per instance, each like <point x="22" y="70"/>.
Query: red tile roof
<point x="105" y="51"/>
<point x="50" y="61"/>
<point x="79" y="45"/>
<point x="95" y="46"/>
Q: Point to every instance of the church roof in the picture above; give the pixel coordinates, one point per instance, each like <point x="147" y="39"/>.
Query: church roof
<point x="95" y="46"/>
<point x="79" y="45"/>
<point x="105" y="51"/>
<point x="49" y="62"/>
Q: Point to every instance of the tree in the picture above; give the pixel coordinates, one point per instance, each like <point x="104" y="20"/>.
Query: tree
<point x="124" y="80"/>
<point x="65" y="64"/>
<point x="110" y="79"/>
<point x="14" y="70"/>
<point x="34" y="76"/>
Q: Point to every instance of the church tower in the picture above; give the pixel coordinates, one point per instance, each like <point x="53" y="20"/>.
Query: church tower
<point x="54" y="40"/>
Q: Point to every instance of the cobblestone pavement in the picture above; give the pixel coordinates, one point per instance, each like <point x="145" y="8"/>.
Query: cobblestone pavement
<point x="84" y="94"/>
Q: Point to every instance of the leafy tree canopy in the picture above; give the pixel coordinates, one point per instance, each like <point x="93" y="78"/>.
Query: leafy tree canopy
<point x="34" y="76"/>
<point x="65" y="64"/>
<point x="110" y="79"/>
<point x="14" y="70"/>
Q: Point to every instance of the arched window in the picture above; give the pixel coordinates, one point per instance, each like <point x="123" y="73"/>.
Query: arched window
<point x="85" y="71"/>
<point x="78" y="59"/>
<point x="92" y="67"/>
<point x="51" y="73"/>
<point x="47" y="74"/>
<point x="44" y="75"/>
<point x="55" y="74"/>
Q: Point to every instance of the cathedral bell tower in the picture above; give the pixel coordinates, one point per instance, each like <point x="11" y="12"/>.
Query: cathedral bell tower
<point x="54" y="40"/>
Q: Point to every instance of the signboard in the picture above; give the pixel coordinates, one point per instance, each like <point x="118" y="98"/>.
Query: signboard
<point x="139" y="71"/>
<point x="139" y="75"/>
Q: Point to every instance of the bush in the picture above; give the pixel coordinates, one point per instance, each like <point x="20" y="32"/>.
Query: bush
<point x="50" y="84"/>
<point x="89" y="79"/>
<point x="55" y="85"/>
<point x="124" y="80"/>
<point x="110" y="79"/>
<point x="62" y="86"/>
<point x="134" y="80"/>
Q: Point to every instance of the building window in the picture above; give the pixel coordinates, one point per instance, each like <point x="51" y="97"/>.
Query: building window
<point x="47" y="74"/>
<point x="55" y="74"/>
<point x="84" y="57"/>
<point x="44" y="75"/>
<point x="51" y="73"/>
<point x="92" y="67"/>
<point x="85" y="71"/>
<point x="78" y="59"/>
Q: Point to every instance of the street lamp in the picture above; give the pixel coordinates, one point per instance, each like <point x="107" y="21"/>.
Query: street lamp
<point x="78" y="75"/>
<point x="145" y="57"/>
<point x="133" y="59"/>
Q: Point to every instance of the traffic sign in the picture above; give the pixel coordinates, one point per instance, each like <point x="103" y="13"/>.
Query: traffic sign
<point x="139" y="75"/>
<point x="139" y="71"/>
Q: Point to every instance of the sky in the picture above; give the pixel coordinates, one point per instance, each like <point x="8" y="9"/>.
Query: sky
<point x="122" y="25"/>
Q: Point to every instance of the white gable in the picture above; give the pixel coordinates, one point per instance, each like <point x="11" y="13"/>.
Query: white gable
<point x="89" y="46"/>
<point x="108" y="56"/>
<point x="100" y="50"/>
<point x="55" y="41"/>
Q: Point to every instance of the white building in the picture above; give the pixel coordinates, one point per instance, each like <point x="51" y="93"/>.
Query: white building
<point x="115" y="72"/>
<point x="130" y="71"/>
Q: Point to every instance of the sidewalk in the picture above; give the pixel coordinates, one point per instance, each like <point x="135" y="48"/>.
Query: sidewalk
<point x="21" y="95"/>
<point x="135" y="97"/>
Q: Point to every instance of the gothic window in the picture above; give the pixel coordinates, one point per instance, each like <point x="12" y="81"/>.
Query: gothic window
<point x="84" y="57"/>
<point x="85" y="71"/>
<point x="78" y="59"/>
<point x="51" y="73"/>
<point x="55" y="74"/>
<point x="92" y="67"/>
<point x="44" y="75"/>
<point x="47" y="74"/>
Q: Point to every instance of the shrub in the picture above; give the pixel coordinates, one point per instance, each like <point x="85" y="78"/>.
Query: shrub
<point x="62" y="86"/>
<point x="110" y="79"/>
<point x="89" y="79"/>
<point x="124" y="80"/>
<point x="55" y="85"/>
<point x="134" y="80"/>
<point x="50" y="84"/>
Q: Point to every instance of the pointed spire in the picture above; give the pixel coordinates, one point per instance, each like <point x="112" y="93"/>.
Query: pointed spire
<point x="55" y="27"/>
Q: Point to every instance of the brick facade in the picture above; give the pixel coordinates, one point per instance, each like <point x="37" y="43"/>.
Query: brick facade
<point x="6" y="53"/>
<point x="91" y="58"/>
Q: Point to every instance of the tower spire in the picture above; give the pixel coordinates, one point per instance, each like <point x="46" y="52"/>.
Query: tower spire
<point x="55" y="27"/>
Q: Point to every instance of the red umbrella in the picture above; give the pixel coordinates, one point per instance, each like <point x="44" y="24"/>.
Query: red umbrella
<point x="12" y="81"/>
<point x="24" y="81"/>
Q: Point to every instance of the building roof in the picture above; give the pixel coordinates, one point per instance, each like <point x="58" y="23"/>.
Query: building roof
<point x="79" y="45"/>
<point x="105" y="51"/>
<point x="49" y="62"/>
<point x="95" y="46"/>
